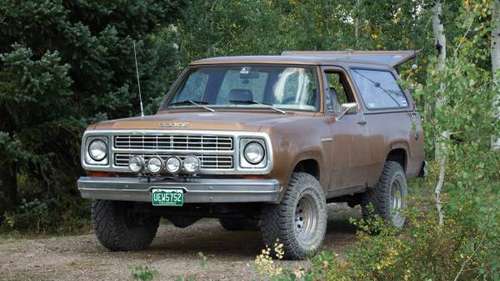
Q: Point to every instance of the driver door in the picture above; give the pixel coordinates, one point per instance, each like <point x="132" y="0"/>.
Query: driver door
<point x="350" y="141"/>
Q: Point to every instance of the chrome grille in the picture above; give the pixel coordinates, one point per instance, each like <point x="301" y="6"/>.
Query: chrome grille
<point x="207" y="161"/>
<point x="174" y="142"/>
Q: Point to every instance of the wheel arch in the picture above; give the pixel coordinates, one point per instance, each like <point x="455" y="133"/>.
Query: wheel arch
<point x="398" y="153"/>
<point x="311" y="163"/>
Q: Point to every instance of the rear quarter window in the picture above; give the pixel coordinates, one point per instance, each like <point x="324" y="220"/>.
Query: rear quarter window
<point x="379" y="89"/>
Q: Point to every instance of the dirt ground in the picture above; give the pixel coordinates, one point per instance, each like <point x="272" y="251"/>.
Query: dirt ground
<point x="175" y="253"/>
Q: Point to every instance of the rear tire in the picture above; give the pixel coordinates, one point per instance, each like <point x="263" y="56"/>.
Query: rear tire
<point x="299" y="221"/>
<point x="118" y="228"/>
<point x="239" y="224"/>
<point x="388" y="197"/>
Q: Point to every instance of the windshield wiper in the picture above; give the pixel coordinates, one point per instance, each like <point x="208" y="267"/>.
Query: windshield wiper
<point x="200" y="104"/>
<point x="259" y="103"/>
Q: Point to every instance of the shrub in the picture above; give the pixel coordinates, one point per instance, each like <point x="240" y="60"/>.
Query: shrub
<point x="61" y="215"/>
<point x="143" y="273"/>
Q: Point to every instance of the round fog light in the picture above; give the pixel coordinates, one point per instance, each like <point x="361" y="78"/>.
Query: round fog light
<point x="155" y="164"/>
<point x="136" y="164"/>
<point x="173" y="165"/>
<point x="191" y="164"/>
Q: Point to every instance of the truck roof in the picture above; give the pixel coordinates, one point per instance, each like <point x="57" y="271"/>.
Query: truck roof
<point x="387" y="58"/>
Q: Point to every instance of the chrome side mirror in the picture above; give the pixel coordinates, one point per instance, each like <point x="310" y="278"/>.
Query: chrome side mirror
<point x="346" y="108"/>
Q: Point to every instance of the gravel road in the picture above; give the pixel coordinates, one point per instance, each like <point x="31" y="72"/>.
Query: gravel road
<point x="175" y="253"/>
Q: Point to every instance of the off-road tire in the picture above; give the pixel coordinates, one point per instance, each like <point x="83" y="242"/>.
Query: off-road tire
<point x="239" y="224"/>
<point x="380" y="197"/>
<point x="117" y="231"/>
<point x="278" y="221"/>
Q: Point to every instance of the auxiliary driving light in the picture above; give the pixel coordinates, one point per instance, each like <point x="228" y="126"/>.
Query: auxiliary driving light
<point x="136" y="164"/>
<point x="191" y="164"/>
<point x="173" y="165"/>
<point x="155" y="165"/>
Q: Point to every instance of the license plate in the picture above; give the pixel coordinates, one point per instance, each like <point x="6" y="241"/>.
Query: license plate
<point x="167" y="197"/>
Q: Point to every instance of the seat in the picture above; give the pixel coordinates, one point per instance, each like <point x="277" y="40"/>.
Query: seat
<point x="240" y="95"/>
<point x="332" y="101"/>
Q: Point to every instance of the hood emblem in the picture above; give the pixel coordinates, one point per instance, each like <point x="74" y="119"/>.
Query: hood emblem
<point x="173" y="124"/>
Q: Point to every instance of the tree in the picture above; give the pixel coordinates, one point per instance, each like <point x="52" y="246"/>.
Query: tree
<point x="440" y="43"/>
<point x="63" y="65"/>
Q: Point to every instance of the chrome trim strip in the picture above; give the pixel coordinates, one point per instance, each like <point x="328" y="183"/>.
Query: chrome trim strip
<point x="237" y="135"/>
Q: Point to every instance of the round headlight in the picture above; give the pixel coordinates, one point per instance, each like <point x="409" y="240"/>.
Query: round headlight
<point x="191" y="164"/>
<point x="155" y="164"/>
<point x="98" y="150"/>
<point x="136" y="164"/>
<point x="254" y="152"/>
<point x="173" y="165"/>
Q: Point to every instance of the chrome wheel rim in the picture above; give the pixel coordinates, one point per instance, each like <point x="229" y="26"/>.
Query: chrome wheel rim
<point x="397" y="203"/>
<point x="306" y="219"/>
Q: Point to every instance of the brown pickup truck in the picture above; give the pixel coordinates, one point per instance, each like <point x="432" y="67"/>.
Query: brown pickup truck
<point x="259" y="142"/>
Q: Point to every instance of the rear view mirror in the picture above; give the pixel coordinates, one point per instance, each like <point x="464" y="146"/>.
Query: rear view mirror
<point x="347" y="108"/>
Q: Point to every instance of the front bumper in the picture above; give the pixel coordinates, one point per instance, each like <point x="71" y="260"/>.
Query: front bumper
<point x="199" y="190"/>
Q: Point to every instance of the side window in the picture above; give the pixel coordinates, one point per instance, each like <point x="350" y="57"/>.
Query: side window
<point x="379" y="89"/>
<point x="337" y="93"/>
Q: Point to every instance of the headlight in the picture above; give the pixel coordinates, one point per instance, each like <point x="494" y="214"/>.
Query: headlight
<point x="173" y="165"/>
<point x="136" y="164"/>
<point x="155" y="165"/>
<point x="254" y="152"/>
<point x="98" y="150"/>
<point x="191" y="164"/>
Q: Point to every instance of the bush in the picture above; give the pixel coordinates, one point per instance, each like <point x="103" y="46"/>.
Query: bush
<point x="61" y="215"/>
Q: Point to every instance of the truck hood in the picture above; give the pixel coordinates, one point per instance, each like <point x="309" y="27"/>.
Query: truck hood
<point x="189" y="120"/>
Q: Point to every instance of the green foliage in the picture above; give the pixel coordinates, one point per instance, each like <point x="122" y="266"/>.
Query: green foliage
<point x="143" y="273"/>
<point x="459" y="100"/>
<point x="59" y="215"/>
<point x="63" y="66"/>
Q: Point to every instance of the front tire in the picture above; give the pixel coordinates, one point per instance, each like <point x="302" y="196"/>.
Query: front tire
<point x="299" y="221"/>
<point x="119" y="228"/>
<point x="388" y="197"/>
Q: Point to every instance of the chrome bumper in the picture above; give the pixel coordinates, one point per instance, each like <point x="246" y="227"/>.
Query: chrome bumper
<point x="200" y="190"/>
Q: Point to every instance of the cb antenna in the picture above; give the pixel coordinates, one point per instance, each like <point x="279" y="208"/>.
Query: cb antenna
<point x="138" y="81"/>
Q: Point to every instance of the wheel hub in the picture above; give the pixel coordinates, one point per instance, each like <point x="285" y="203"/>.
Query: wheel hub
<point x="306" y="218"/>
<point x="397" y="203"/>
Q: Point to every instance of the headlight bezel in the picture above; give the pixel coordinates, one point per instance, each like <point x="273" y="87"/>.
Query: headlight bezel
<point x="88" y="157"/>
<point x="243" y="161"/>
<point x="104" y="150"/>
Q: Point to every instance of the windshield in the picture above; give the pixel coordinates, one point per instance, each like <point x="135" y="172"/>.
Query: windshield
<point x="248" y="86"/>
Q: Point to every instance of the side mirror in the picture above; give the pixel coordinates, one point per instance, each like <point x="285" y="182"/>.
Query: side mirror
<point x="346" y="108"/>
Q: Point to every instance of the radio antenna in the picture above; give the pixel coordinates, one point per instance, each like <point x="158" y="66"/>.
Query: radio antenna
<point x="138" y="80"/>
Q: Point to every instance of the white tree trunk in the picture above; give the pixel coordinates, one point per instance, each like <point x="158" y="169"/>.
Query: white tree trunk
<point x="495" y="63"/>
<point x="440" y="43"/>
<point x="439" y="37"/>
<point x="356" y="24"/>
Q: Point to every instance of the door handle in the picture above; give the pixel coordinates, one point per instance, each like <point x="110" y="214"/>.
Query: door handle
<point x="362" y="122"/>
